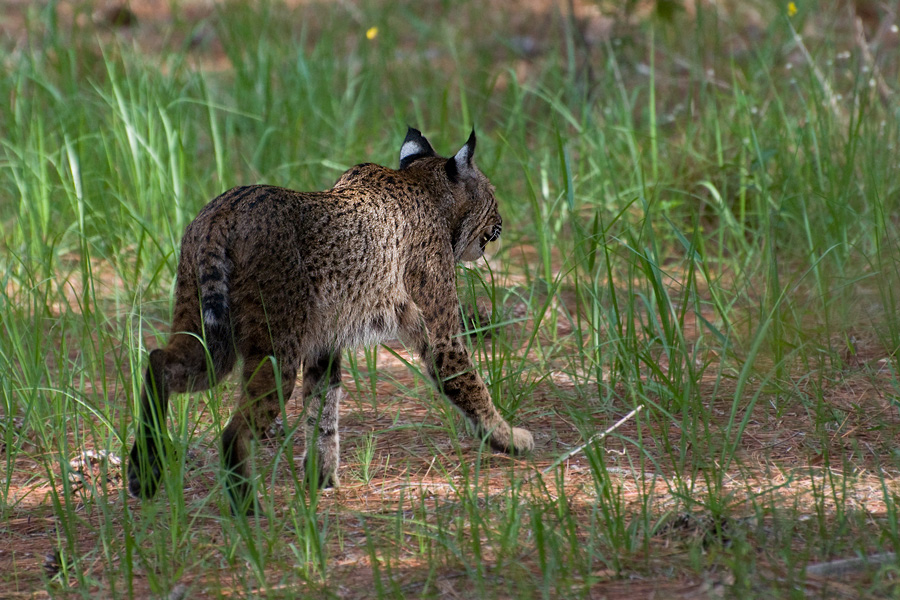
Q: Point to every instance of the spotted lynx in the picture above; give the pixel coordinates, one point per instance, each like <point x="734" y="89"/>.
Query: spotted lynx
<point x="286" y="280"/>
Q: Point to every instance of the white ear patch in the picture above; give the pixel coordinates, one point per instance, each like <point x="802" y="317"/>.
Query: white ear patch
<point x="462" y="157"/>
<point x="412" y="148"/>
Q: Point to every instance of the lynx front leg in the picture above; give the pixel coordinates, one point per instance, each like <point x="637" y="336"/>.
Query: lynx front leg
<point x="448" y="363"/>
<point x="321" y="399"/>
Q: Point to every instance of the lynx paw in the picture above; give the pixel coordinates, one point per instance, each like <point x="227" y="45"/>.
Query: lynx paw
<point x="243" y="502"/>
<point x="522" y="441"/>
<point x="144" y="471"/>
<point x="326" y="470"/>
<point x="512" y="440"/>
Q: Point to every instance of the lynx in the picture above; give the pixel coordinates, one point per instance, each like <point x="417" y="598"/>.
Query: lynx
<point x="288" y="279"/>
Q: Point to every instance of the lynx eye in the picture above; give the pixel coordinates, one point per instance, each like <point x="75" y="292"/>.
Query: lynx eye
<point x="490" y="236"/>
<point x="493" y="235"/>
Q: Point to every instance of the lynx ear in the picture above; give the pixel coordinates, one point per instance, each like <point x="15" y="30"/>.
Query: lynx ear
<point x="414" y="146"/>
<point x="462" y="162"/>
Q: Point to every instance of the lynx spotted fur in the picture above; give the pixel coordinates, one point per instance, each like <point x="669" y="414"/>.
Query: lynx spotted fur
<point x="287" y="279"/>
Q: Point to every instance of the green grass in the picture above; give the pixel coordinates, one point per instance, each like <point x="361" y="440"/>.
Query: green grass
<point x="700" y="218"/>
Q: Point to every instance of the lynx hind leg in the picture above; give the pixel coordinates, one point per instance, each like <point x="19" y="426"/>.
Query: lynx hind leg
<point x="259" y="405"/>
<point x="146" y="457"/>
<point x="182" y="366"/>
<point x="321" y="400"/>
<point x="448" y="364"/>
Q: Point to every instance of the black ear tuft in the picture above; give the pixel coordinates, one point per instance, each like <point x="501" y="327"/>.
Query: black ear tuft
<point x="470" y="144"/>
<point x="415" y="146"/>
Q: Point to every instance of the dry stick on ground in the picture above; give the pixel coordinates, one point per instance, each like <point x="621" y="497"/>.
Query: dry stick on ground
<point x="826" y="87"/>
<point x="839" y="568"/>
<point x="591" y="440"/>
<point x="884" y="91"/>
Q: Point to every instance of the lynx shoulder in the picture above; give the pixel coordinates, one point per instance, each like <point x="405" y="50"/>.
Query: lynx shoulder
<point x="288" y="279"/>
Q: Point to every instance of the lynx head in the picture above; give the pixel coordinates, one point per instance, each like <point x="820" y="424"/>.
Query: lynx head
<point x="472" y="210"/>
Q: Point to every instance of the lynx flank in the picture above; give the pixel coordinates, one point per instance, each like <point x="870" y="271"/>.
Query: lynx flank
<point x="287" y="279"/>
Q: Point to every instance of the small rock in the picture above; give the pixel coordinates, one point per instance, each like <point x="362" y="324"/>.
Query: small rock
<point x="178" y="592"/>
<point x="94" y="467"/>
<point x="53" y="563"/>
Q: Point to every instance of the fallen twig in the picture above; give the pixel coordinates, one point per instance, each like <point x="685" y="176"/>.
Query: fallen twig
<point x="884" y="91"/>
<point x="826" y="87"/>
<point x="846" y="566"/>
<point x="591" y="440"/>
